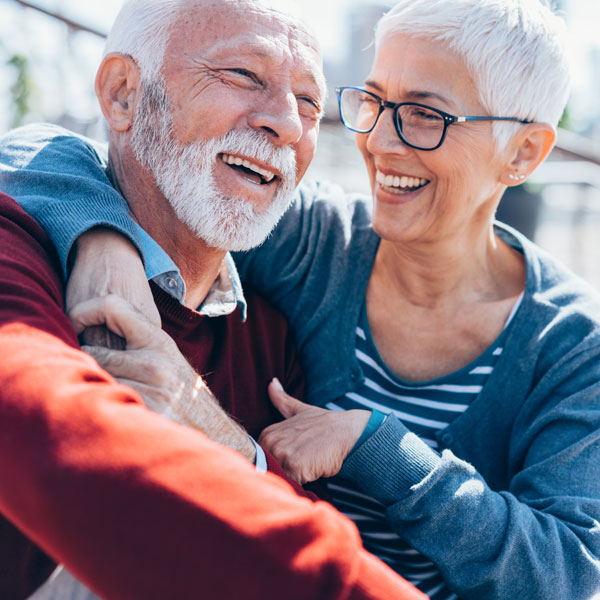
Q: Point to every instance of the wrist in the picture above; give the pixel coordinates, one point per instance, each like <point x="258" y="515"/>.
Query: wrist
<point x="372" y="423"/>
<point x="92" y="240"/>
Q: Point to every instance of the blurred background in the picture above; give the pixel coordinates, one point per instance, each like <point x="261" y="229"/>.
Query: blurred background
<point x="49" y="51"/>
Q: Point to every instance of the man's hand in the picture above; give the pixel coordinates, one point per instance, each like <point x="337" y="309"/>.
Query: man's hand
<point x="107" y="263"/>
<point x="312" y="442"/>
<point x="153" y="365"/>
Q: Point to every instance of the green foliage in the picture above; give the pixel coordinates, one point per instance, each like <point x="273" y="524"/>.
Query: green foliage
<point x="22" y="89"/>
<point x="565" y="120"/>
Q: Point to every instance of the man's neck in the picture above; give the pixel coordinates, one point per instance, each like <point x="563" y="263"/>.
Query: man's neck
<point x="198" y="263"/>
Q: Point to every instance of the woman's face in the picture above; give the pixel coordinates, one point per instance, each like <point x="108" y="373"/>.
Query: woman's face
<point x="462" y="177"/>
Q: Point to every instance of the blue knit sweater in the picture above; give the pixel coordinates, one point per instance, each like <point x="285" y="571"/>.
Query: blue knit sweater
<point x="511" y="507"/>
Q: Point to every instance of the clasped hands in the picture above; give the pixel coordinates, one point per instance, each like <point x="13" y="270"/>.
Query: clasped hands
<point x="310" y="443"/>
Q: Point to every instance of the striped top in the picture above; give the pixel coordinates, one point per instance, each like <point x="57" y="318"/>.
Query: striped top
<point x="425" y="408"/>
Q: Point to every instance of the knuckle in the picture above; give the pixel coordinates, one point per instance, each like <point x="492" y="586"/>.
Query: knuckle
<point x="112" y="303"/>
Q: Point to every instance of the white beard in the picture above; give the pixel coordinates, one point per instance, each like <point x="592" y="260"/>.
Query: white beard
<point x="185" y="175"/>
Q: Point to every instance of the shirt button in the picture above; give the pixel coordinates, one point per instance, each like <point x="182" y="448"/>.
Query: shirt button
<point x="171" y="282"/>
<point x="446" y="438"/>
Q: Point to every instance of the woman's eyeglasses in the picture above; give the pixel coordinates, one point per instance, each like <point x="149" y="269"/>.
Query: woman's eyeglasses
<point x="418" y="125"/>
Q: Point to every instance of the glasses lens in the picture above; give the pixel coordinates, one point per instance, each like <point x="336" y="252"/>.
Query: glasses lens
<point x="359" y="110"/>
<point x="420" y="126"/>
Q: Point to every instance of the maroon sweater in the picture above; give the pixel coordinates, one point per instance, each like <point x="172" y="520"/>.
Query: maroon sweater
<point x="137" y="506"/>
<point x="236" y="359"/>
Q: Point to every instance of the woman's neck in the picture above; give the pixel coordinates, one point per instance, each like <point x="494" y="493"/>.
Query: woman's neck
<point x="457" y="270"/>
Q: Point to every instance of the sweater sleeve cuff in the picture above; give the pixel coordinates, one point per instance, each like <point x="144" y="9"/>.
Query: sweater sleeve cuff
<point x="373" y="425"/>
<point x="390" y="462"/>
<point x="107" y="210"/>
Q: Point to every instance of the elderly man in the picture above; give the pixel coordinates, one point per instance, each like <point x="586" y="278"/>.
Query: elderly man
<point x="213" y="109"/>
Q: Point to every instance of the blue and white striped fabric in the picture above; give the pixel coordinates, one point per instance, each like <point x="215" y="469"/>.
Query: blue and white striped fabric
<point x="424" y="408"/>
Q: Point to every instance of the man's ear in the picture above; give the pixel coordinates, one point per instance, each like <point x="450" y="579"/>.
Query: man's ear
<point x="529" y="148"/>
<point x="118" y="84"/>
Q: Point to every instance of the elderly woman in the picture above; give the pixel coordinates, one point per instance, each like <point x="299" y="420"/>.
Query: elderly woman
<point x="472" y="357"/>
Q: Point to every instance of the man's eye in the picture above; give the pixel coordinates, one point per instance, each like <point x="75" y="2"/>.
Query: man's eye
<point x="311" y="103"/>
<point x="245" y="73"/>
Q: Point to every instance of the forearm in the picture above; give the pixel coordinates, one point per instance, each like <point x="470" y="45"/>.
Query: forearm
<point x="199" y="409"/>
<point x="489" y="545"/>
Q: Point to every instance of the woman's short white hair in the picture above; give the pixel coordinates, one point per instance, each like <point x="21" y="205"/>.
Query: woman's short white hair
<point x="141" y="30"/>
<point x="515" y="51"/>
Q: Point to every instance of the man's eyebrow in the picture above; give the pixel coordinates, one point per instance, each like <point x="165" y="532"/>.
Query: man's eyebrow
<point x="256" y="51"/>
<point x="414" y="94"/>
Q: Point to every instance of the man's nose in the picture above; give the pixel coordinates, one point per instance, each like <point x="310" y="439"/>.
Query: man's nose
<point x="280" y="118"/>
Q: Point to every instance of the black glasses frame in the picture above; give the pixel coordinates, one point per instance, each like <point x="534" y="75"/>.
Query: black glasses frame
<point x="448" y="119"/>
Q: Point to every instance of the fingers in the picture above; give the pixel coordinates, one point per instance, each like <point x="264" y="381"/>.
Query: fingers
<point x="284" y="403"/>
<point x="119" y="316"/>
<point x="100" y="335"/>
<point x="130" y="364"/>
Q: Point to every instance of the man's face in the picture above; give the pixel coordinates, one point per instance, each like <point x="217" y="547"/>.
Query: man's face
<point x="236" y="66"/>
<point x="185" y="175"/>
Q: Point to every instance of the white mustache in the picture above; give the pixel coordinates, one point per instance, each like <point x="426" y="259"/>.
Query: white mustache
<point x="254" y="145"/>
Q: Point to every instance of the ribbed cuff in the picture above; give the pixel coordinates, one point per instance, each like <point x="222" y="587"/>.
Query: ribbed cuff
<point x="65" y="222"/>
<point x="390" y="462"/>
<point x="375" y="421"/>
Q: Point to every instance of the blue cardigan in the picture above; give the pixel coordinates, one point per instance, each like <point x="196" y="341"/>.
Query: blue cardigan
<point x="511" y="507"/>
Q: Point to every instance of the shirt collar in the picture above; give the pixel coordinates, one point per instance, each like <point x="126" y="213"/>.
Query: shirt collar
<point x="225" y="295"/>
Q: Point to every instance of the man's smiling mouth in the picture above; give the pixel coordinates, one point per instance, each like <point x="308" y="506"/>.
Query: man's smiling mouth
<point x="254" y="171"/>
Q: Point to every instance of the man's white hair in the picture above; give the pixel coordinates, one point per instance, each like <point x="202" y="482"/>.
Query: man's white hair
<point x="515" y="51"/>
<point x="142" y="29"/>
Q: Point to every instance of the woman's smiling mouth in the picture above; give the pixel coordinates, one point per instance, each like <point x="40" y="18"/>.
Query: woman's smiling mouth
<point x="400" y="183"/>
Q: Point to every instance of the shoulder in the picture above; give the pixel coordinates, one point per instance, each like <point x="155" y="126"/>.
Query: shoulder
<point x="558" y="323"/>
<point x="333" y="208"/>
<point x="19" y="230"/>
<point x="33" y="144"/>
<point x="322" y="222"/>
<point x="31" y="289"/>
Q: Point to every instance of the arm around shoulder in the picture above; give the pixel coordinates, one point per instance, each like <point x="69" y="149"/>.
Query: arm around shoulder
<point x="59" y="178"/>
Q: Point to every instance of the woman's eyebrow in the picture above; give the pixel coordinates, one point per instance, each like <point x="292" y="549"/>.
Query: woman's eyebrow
<point x="416" y="94"/>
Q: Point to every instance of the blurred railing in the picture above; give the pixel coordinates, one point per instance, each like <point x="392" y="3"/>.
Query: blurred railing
<point x="75" y="25"/>
<point x="569" y="221"/>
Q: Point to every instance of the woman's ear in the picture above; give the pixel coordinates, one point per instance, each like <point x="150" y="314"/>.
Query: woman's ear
<point x="117" y="87"/>
<point x="530" y="146"/>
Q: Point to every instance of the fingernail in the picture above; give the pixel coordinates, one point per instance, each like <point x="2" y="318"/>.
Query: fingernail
<point x="277" y="384"/>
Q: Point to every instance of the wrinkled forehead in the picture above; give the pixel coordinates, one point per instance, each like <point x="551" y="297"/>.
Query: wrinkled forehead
<point x="264" y="27"/>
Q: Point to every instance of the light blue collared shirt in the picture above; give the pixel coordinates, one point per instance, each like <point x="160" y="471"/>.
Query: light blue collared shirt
<point x="225" y="295"/>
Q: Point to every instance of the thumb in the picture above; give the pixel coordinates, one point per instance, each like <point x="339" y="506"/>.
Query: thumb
<point x="284" y="403"/>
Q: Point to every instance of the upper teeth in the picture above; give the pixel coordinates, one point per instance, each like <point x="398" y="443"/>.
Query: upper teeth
<point x="237" y="160"/>
<point x="396" y="181"/>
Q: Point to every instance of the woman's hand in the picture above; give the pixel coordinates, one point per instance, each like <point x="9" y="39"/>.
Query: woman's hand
<point x="107" y="263"/>
<point x="153" y="366"/>
<point x="312" y="442"/>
